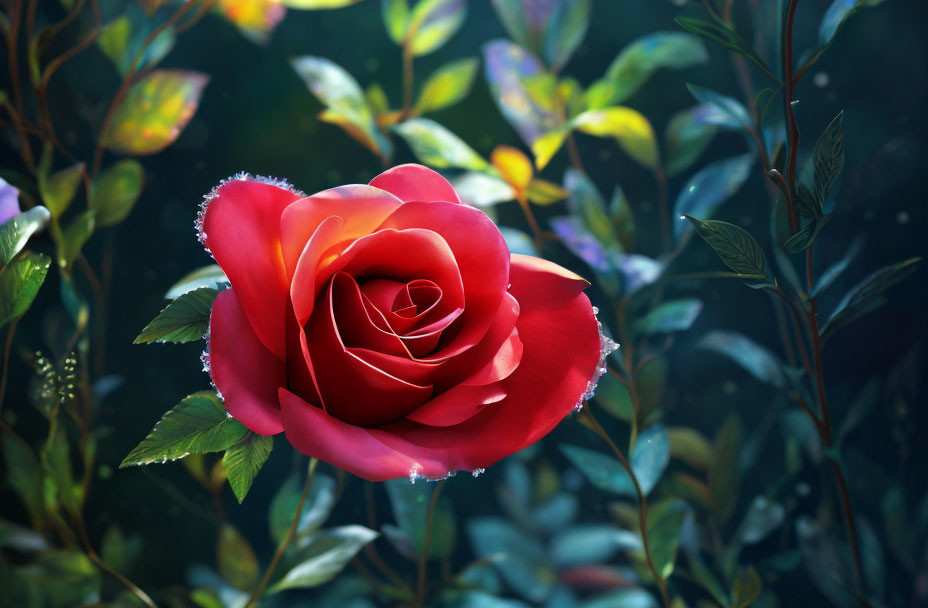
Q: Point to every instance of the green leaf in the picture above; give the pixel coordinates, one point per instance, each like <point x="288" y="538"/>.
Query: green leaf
<point x="623" y="220"/>
<point x="376" y="99"/>
<point x="686" y="137"/>
<point x="837" y="269"/>
<point x="19" y="284"/>
<point x="520" y="559"/>
<point x="722" y="34"/>
<point x="746" y="588"/>
<point x="752" y="357"/>
<point x="410" y="504"/>
<point x="117" y="551"/>
<point x="567" y="27"/>
<point x="763" y="517"/>
<point x="542" y="192"/>
<point x="432" y="23"/>
<point x="198" y="424"/>
<point x="591" y="544"/>
<point x="24" y="475"/>
<point x="316" y="508"/>
<point x="114" y="193"/>
<point x="237" y="562"/>
<point x="210" y="276"/>
<point x="665" y="523"/>
<point x="622" y="598"/>
<point x="867" y="295"/>
<point x="63" y="578"/>
<point x="123" y="37"/>
<point x="649" y="458"/>
<point x="805" y="236"/>
<point x="587" y="204"/>
<point x="690" y="446"/>
<point x="154" y="112"/>
<point x="640" y="59"/>
<point x="722" y="111"/>
<point x="828" y="158"/>
<point x="395" y="17"/>
<point x="448" y="85"/>
<point x="317" y="4"/>
<point x="632" y="130"/>
<point x="59" y="473"/>
<point x="735" y="246"/>
<point x="184" y="320"/>
<point x="670" y="316"/>
<point x="837" y="14"/>
<point x="72" y="238"/>
<point x="243" y="460"/>
<point x="724" y="474"/>
<point x="16" y="231"/>
<point x="438" y="147"/>
<point x="323" y="555"/>
<point x="710" y="187"/>
<point x="58" y="189"/>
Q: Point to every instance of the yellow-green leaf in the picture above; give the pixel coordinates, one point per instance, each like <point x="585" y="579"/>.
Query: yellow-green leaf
<point x="395" y="17"/>
<point x="628" y="126"/>
<point x="447" y="86"/>
<point x="114" y="193"/>
<point x="543" y="192"/>
<point x="155" y="111"/>
<point x="58" y="189"/>
<point x="237" y="562"/>
<point x="438" y="147"/>
<point x="546" y="146"/>
<point x="513" y="166"/>
<point x="432" y="23"/>
<point x="315" y="5"/>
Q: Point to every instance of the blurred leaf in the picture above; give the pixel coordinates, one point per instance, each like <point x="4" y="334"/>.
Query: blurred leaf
<point x="183" y="320"/>
<point x="55" y="456"/>
<point x="513" y="166"/>
<point x="835" y="270"/>
<point x="243" y="460"/>
<point x="376" y="99"/>
<point x="154" y="112"/>
<point x="410" y="504"/>
<point x="432" y="23"/>
<point x="395" y="17"/>
<point x="546" y="146"/>
<point x="438" y="147"/>
<point x="570" y="92"/>
<point x="567" y="27"/>
<point x="628" y="126"/>
<point x="648" y="460"/>
<point x="752" y="357"/>
<point x="724" y="474"/>
<point x="543" y="192"/>
<point x="827" y="563"/>
<point x="482" y="190"/>
<point x="344" y="100"/>
<point x="517" y="241"/>
<point x="577" y="238"/>
<point x="709" y="188"/>
<point x="58" y="189"/>
<point x="867" y="295"/>
<point x="522" y="562"/>
<point x="24" y="475"/>
<point x="690" y="446"/>
<point x="72" y="238"/>
<point x="63" y="578"/>
<point x="665" y="522"/>
<point x="323" y="555"/>
<point x="448" y="85"/>
<point x="317" y="4"/>
<point x="117" y="551"/>
<point x="735" y="246"/>
<point x="114" y="193"/>
<point x="871" y="554"/>
<point x="837" y="14"/>
<point x="612" y="395"/>
<point x="237" y="562"/>
<point x="763" y="517"/>
<point x="670" y="316"/>
<point x="555" y="513"/>
<point x="897" y="524"/>
<point x="199" y="423"/>
<point x="640" y="59"/>
<point x="524" y="91"/>
<point x="686" y="137"/>
<point x="622" y="598"/>
<point x="746" y="588"/>
<point x="722" y="111"/>
<point x="19" y="284"/>
<point x="724" y="35"/>
<point x="316" y="508"/>
<point x="586" y="204"/>
<point x="16" y="231"/>
<point x="591" y="544"/>
<point x="210" y="276"/>
<point x="123" y="37"/>
<point x="623" y="221"/>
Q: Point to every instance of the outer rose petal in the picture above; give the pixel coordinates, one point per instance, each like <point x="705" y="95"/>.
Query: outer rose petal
<point x="561" y="353"/>
<point x="241" y="228"/>
<point x="246" y="373"/>
<point x="416" y="183"/>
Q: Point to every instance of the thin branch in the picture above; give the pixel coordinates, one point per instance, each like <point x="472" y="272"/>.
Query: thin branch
<point x="6" y="360"/>
<point x="424" y="558"/>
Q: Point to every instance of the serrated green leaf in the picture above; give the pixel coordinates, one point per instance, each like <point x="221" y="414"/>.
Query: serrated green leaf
<point x="16" y="231"/>
<point x="198" y="424"/>
<point x="432" y="23"/>
<point x="244" y="460"/>
<point x="735" y="246"/>
<point x="184" y="320"/>
<point x="323" y="555"/>
<point x="237" y="562"/>
<point x="58" y="189"/>
<point x="723" y="34"/>
<point x="115" y="192"/>
<point x="448" y="85"/>
<point x="19" y="284"/>
<point x="438" y="147"/>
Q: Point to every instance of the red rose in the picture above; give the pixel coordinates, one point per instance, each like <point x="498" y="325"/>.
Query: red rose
<point x="387" y="329"/>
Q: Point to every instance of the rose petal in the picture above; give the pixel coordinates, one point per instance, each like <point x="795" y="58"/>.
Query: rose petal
<point x="241" y="228"/>
<point x="246" y="373"/>
<point x="416" y="183"/>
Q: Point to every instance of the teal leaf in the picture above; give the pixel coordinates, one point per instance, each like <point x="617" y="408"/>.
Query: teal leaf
<point x="482" y="190"/>
<point x="19" y="284"/>
<point x="726" y="112"/>
<point x="834" y="271"/>
<point x="649" y="458"/>
<point x="522" y="561"/>
<point x="244" y="460"/>
<point x="670" y="316"/>
<point x="517" y="241"/>
<point x="410" y="505"/>
<point x="323" y="555"/>
<point x="15" y="232"/>
<point x="763" y="517"/>
<point x="723" y="34"/>
<point x="710" y="187"/>
<point x="735" y="246"/>
<point x="828" y="158"/>
<point x="566" y="29"/>
<point x="686" y="137"/>
<point x="184" y="320"/>
<point x="622" y="598"/>
<point x="438" y="147"/>
<point x="198" y="424"/>
<point x="665" y="523"/>
<point x="837" y="14"/>
<point x="316" y="508"/>
<point x="592" y="544"/>
<point x="123" y="37"/>
<point x="751" y="356"/>
<point x="73" y="237"/>
<point x="587" y="204"/>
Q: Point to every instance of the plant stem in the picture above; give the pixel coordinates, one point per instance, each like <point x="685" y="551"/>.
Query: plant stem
<point x="6" y="360"/>
<point x="660" y="177"/>
<point x="642" y="503"/>
<point x="408" y="78"/>
<point x="313" y="463"/>
<point x="792" y="130"/>
<point x="537" y="232"/>
<point x="424" y="558"/>
<point x="371" y="552"/>
<point x="573" y="152"/>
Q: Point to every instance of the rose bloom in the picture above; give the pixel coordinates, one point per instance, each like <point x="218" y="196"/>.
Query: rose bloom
<point x="387" y="330"/>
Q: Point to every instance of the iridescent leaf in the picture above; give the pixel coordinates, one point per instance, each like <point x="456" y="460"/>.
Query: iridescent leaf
<point x="728" y="111"/>
<point x="685" y="138"/>
<point x="447" y="86"/>
<point x="523" y="90"/>
<point x="432" y="23"/>
<point x="513" y="166"/>
<point x="114" y="193"/>
<point x="527" y="21"/>
<point x="438" y="147"/>
<point x="709" y="188"/>
<point x="632" y="130"/>
<point x="154" y="112"/>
